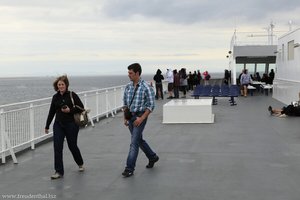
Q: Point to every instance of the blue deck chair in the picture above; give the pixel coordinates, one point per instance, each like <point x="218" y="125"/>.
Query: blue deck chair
<point x="207" y="91"/>
<point x="233" y="92"/>
<point x="224" y="90"/>
<point x="198" y="91"/>
<point x="215" y="92"/>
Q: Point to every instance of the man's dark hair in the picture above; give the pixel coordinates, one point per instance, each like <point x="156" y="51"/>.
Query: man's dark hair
<point x="136" y="67"/>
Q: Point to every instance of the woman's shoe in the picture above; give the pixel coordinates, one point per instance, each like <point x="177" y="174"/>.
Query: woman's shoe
<point x="56" y="175"/>
<point x="81" y="168"/>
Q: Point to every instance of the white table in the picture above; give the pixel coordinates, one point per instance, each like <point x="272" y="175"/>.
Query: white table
<point x="188" y="111"/>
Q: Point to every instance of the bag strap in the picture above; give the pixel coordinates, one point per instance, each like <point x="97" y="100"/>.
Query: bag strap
<point x="82" y="109"/>
<point x="133" y="95"/>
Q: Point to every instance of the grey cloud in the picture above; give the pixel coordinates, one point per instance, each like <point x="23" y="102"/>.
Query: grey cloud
<point x="194" y="11"/>
<point x="172" y="11"/>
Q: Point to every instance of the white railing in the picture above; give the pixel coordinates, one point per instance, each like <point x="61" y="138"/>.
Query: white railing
<point x="22" y="124"/>
<point x="253" y="38"/>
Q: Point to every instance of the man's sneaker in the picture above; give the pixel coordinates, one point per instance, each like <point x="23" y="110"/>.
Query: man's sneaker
<point x="127" y="173"/>
<point x="81" y="168"/>
<point x="152" y="161"/>
<point x="56" y="175"/>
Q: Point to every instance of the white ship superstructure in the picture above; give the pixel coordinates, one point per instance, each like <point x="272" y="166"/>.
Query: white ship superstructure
<point x="286" y="85"/>
<point x="253" y="51"/>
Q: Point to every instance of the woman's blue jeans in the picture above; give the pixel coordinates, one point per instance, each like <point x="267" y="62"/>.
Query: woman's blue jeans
<point x="137" y="142"/>
<point x="70" y="131"/>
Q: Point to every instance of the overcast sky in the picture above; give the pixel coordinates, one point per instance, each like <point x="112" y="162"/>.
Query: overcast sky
<point x="97" y="37"/>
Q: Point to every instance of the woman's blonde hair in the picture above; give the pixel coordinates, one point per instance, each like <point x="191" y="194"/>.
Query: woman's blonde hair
<point x="62" y="78"/>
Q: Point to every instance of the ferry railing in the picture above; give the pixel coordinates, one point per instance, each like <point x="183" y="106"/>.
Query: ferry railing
<point x="22" y="124"/>
<point x="253" y="38"/>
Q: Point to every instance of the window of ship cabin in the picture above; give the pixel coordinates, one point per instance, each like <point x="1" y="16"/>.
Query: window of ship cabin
<point x="239" y="68"/>
<point x="291" y="50"/>
<point x="250" y="67"/>
<point x="261" y="68"/>
<point x="272" y="66"/>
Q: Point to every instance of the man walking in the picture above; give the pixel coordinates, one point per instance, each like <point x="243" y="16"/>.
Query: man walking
<point x="139" y="98"/>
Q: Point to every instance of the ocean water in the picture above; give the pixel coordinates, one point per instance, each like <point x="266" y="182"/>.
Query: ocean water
<point x="14" y="90"/>
<point x="20" y="89"/>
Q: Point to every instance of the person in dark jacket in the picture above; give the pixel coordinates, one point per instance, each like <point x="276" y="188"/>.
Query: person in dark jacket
<point x="158" y="77"/>
<point x="226" y="77"/>
<point x="271" y="76"/>
<point x="64" y="125"/>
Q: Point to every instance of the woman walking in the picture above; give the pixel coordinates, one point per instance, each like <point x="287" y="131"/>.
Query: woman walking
<point x="64" y="125"/>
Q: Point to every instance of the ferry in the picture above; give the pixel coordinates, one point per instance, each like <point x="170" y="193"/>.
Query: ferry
<point x="243" y="154"/>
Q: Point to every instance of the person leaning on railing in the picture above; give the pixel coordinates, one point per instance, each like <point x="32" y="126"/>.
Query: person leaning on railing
<point x="64" y="125"/>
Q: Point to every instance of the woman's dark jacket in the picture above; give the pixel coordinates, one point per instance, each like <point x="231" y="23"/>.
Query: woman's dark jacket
<point x="58" y="101"/>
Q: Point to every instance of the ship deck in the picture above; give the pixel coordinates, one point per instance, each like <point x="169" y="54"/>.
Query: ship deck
<point x="246" y="154"/>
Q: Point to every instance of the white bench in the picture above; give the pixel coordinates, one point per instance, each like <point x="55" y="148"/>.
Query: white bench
<point x="188" y="111"/>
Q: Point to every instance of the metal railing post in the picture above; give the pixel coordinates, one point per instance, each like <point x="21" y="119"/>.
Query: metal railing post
<point x="31" y="121"/>
<point x="106" y="102"/>
<point x="115" y="101"/>
<point x="97" y="106"/>
<point x="2" y="125"/>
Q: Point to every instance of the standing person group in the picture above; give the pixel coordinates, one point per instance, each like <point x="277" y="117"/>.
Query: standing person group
<point x="180" y="81"/>
<point x="139" y="100"/>
<point x="64" y="125"/>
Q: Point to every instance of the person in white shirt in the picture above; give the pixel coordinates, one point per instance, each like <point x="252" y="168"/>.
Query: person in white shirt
<point x="245" y="81"/>
<point x="170" y="79"/>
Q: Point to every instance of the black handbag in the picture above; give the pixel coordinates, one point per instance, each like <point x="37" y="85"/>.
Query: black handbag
<point x="126" y="110"/>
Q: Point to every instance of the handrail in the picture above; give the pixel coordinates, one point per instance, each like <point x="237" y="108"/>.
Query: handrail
<point x="49" y="98"/>
<point x="22" y="124"/>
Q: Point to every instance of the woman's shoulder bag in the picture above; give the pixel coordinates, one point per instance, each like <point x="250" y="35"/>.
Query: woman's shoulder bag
<point x="81" y="118"/>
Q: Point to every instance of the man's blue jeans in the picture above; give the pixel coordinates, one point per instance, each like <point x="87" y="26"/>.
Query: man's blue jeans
<point x="137" y="142"/>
